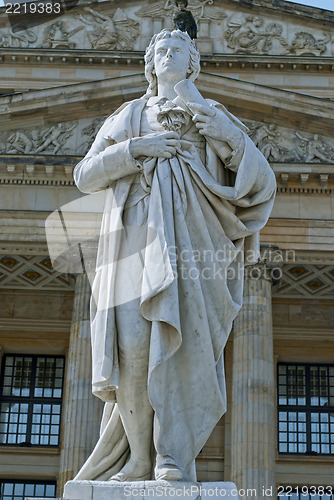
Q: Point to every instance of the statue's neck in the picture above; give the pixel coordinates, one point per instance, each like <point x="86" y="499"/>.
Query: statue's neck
<point x="166" y="89"/>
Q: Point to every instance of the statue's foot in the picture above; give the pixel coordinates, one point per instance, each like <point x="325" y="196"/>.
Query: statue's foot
<point x="122" y="477"/>
<point x="133" y="471"/>
<point x="167" y="470"/>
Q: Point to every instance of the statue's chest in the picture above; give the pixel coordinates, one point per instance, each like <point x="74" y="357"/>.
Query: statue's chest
<point x="150" y="124"/>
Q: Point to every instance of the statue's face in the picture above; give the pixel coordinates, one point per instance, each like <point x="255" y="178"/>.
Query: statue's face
<point x="257" y="21"/>
<point x="171" y="59"/>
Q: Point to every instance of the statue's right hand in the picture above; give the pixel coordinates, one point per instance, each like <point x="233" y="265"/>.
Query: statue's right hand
<point x="157" y="145"/>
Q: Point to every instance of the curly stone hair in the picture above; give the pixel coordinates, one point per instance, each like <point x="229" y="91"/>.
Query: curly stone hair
<point x="194" y="65"/>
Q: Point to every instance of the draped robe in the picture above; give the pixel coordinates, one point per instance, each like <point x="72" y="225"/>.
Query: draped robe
<point x="193" y="204"/>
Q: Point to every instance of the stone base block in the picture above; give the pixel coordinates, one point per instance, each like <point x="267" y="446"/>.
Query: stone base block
<point x="146" y="490"/>
<point x="204" y="45"/>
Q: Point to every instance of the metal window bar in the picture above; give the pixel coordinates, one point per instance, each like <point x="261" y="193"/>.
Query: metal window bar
<point x="319" y="385"/>
<point x="21" y="490"/>
<point x="31" y="419"/>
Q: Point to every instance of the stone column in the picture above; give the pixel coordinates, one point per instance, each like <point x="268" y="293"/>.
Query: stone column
<point x="157" y="24"/>
<point x="204" y="40"/>
<point x="253" y="414"/>
<point x="82" y="411"/>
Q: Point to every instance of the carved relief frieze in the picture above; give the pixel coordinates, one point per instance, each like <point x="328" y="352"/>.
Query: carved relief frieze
<point x="89" y="132"/>
<point x="252" y="34"/>
<point x="50" y="140"/>
<point x="18" y="39"/>
<point x="306" y="44"/>
<point x="57" y="36"/>
<point x="249" y="34"/>
<point x="109" y="33"/>
<point x="279" y="144"/>
<point x="84" y="29"/>
<point x="61" y="139"/>
<point x="130" y="28"/>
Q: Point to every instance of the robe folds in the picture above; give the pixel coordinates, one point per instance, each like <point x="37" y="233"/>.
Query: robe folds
<point x="201" y="212"/>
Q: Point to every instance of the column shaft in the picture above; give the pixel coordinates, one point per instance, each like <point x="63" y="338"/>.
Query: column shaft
<point x="82" y="410"/>
<point x="253" y="418"/>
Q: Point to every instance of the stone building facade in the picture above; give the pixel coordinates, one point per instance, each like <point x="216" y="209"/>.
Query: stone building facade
<point x="271" y="63"/>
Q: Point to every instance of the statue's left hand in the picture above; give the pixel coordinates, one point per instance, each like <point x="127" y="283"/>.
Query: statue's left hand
<point x="214" y="123"/>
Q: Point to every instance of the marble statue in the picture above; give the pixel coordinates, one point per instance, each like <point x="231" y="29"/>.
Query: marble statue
<point x="182" y="167"/>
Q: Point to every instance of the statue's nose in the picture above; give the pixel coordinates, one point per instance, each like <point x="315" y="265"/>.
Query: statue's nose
<point x="169" y="54"/>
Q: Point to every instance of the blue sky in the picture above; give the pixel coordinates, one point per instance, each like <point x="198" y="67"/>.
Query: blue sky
<point x="322" y="4"/>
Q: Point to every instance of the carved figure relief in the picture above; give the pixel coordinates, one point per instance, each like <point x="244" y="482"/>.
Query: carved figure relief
<point x="264" y="137"/>
<point x="87" y="28"/>
<point x="21" y="39"/>
<point x="54" y="138"/>
<point x="278" y="144"/>
<point x="58" y="139"/>
<point x="106" y="33"/>
<point x="306" y="44"/>
<point x="90" y="131"/>
<point x="19" y="142"/>
<point x="250" y="34"/>
<point x="314" y="149"/>
<point x="253" y="35"/>
<point x="102" y="32"/>
<point x="56" y="36"/>
<point x="50" y="140"/>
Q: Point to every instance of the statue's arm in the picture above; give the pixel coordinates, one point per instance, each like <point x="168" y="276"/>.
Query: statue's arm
<point x="104" y="164"/>
<point x="226" y="138"/>
<point x="215" y="124"/>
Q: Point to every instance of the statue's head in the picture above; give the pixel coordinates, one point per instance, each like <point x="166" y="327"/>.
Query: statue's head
<point x="181" y="4"/>
<point x="193" y="60"/>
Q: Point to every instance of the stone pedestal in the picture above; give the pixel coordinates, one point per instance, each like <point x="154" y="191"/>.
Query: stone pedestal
<point x="82" y="411"/>
<point x="253" y="417"/>
<point x="136" y="490"/>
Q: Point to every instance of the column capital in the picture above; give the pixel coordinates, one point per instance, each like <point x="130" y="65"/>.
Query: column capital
<point x="269" y="267"/>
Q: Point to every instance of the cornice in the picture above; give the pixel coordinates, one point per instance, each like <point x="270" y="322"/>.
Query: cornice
<point x="42" y="170"/>
<point x="23" y="248"/>
<point x="54" y="170"/>
<point x="34" y="325"/>
<point x="77" y="57"/>
<point x="300" y="257"/>
<point x="304" y="178"/>
<point x="291" y="333"/>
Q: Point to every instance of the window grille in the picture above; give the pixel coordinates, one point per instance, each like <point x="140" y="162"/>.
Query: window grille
<point x="305" y="408"/>
<point x="31" y="400"/>
<point x="19" y="490"/>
